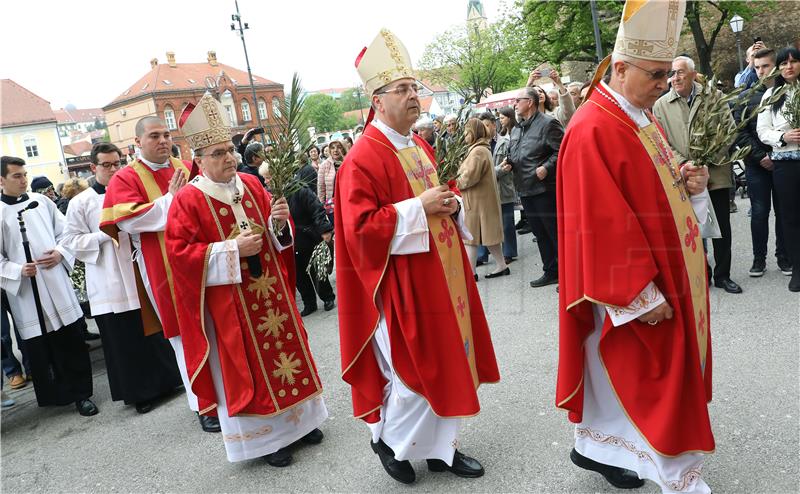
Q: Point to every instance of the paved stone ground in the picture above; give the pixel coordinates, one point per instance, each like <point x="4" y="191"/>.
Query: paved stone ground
<point x="522" y="440"/>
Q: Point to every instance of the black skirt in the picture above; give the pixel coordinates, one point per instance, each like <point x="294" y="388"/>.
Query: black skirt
<point x="140" y="368"/>
<point x="60" y="365"/>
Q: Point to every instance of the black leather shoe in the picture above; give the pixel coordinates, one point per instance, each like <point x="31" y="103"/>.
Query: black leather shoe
<point x="546" y="279"/>
<point x="616" y="476"/>
<point x="308" y="310"/>
<point x="524" y="231"/>
<point x="209" y="424"/>
<point x="280" y="458"/>
<point x="88" y="336"/>
<point x="144" y="406"/>
<point x="480" y="262"/>
<point x="728" y="285"/>
<point x="794" y="284"/>
<point x="86" y="407"/>
<point x="498" y="274"/>
<point x="401" y="471"/>
<point x="463" y="466"/>
<point x="329" y="305"/>
<point x="476" y="276"/>
<point x="313" y="437"/>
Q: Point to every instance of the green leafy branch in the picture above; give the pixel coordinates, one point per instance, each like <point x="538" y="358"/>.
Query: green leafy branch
<point x="289" y="138"/>
<point x="451" y="151"/>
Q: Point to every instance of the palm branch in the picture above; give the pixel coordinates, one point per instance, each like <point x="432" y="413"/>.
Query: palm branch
<point x="289" y="138"/>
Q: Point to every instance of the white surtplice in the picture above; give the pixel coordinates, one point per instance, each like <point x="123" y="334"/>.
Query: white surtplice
<point x="407" y="423"/>
<point x="606" y="434"/>
<point x="45" y="229"/>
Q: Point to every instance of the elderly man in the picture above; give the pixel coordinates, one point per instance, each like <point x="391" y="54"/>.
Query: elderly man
<point x="415" y="341"/>
<point x="254" y="155"/>
<point x="634" y="367"/>
<point x="675" y="112"/>
<point x="244" y="342"/>
<point x="136" y="202"/>
<point x="574" y="90"/>
<point x="140" y="362"/>
<point x="532" y="156"/>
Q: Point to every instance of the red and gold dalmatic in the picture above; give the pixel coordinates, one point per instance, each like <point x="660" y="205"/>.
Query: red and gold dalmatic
<point x="440" y="341"/>
<point x="131" y="193"/>
<point x="266" y="363"/>
<point x="633" y="224"/>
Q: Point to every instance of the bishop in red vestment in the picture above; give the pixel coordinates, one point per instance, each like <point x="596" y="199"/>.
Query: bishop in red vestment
<point x="246" y="350"/>
<point x="415" y="341"/>
<point x="634" y="367"/>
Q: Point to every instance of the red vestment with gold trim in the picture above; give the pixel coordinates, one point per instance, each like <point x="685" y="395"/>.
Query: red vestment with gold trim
<point x="428" y="353"/>
<point x="617" y="233"/>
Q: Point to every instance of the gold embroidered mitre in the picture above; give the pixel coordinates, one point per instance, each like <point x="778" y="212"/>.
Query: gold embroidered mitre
<point x="650" y="29"/>
<point x="383" y="62"/>
<point x="205" y="124"/>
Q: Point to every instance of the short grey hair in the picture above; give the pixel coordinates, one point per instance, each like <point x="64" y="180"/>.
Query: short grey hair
<point x="619" y="57"/>
<point x="424" y="123"/>
<point x="532" y="93"/>
<point x="689" y="62"/>
<point x="576" y="84"/>
<point x="449" y="118"/>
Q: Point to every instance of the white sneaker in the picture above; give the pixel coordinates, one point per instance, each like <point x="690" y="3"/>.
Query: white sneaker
<point x="7" y="402"/>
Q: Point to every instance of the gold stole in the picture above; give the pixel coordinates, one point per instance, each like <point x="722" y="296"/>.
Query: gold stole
<point x="422" y="175"/>
<point x="688" y="229"/>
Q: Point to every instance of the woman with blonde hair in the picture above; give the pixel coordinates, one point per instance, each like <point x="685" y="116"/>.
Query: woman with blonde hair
<point x="70" y="189"/>
<point x="478" y="186"/>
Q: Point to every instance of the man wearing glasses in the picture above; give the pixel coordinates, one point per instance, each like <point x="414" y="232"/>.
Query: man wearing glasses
<point x="675" y="112"/>
<point x="415" y="341"/>
<point x="140" y="362"/>
<point x="137" y="200"/>
<point x="634" y="370"/>
<point x="243" y="338"/>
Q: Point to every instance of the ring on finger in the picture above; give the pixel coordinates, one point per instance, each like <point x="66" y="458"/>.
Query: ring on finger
<point x="652" y="323"/>
<point x="446" y="201"/>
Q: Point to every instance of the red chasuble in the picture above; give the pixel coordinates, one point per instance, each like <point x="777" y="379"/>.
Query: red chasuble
<point x="428" y="347"/>
<point x="266" y="363"/>
<point x="622" y="223"/>
<point x="130" y="193"/>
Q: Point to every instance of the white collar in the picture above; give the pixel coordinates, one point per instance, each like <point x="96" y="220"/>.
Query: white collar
<point x="637" y="114"/>
<point x="398" y="140"/>
<point x="155" y="166"/>
<point x="226" y="192"/>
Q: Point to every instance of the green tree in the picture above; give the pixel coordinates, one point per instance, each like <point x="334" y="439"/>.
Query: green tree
<point x="707" y="17"/>
<point x="471" y="61"/>
<point x="323" y="112"/>
<point x="351" y="99"/>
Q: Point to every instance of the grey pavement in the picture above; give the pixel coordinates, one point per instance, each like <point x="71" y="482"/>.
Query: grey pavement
<point x="521" y="438"/>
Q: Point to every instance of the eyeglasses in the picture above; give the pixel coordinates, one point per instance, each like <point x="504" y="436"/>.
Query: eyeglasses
<point x="110" y="164"/>
<point x="220" y="153"/>
<point x="655" y="75"/>
<point x="521" y="99"/>
<point x="403" y="89"/>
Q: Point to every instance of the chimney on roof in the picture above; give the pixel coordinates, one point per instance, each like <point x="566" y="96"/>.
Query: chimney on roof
<point x="153" y="63"/>
<point x="212" y="58"/>
<point x="171" y="59"/>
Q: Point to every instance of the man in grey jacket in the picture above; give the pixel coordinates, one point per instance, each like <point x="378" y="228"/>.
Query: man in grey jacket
<point x="533" y="152"/>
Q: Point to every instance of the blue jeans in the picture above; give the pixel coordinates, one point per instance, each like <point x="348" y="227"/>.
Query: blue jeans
<point x="761" y="188"/>
<point x="509" y="234"/>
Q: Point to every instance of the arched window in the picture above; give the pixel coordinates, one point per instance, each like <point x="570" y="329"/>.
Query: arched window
<point x="169" y="118"/>
<point x="276" y="106"/>
<point x="262" y="109"/>
<point x="246" y="111"/>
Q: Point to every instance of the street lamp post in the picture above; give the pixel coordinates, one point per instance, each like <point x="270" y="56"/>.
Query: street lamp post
<point x="238" y="18"/>
<point x="737" y="23"/>
<point x="595" y="23"/>
<point x="360" y="106"/>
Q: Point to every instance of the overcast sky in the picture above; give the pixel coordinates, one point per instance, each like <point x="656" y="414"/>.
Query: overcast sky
<point x="87" y="52"/>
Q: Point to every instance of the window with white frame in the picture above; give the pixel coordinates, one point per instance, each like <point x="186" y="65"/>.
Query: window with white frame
<point x="229" y="109"/>
<point x="169" y="118"/>
<point x="31" y="147"/>
<point x="262" y="109"/>
<point x="246" y="111"/>
<point x="276" y="107"/>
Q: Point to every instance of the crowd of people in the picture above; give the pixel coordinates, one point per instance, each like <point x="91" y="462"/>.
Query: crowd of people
<point x="191" y="268"/>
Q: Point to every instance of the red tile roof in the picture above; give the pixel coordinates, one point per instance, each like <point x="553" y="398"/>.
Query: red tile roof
<point x="186" y="76"/>
<point x="18" y="106"/>
<point x="65" y="116"/>
<point x="78" y="148"/>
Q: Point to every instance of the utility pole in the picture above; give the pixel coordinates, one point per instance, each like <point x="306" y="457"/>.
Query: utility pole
<point x="596" y="24"/>
<point x="241" y="29"/>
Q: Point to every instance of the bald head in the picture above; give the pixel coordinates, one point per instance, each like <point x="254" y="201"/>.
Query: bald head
<point x="142" y="124"/>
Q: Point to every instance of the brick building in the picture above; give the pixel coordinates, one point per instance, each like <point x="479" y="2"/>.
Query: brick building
<point x="167" y="88"/>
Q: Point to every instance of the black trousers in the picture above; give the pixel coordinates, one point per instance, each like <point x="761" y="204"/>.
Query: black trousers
<point x="720" y="199"/>
<point x="306" y="283"/>
<point x="140" y="368"/>
<point x="62" y="370"/>
<point x="540" y="211"/>
<point x="786" y="175"/>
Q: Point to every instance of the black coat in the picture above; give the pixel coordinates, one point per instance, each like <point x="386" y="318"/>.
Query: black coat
<point x="748" y="135"/>
<point x="309" y="217"/>
<point x="308" y="175"/>
<point x="242" y="168"/>
<point x="534" y="143"/>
